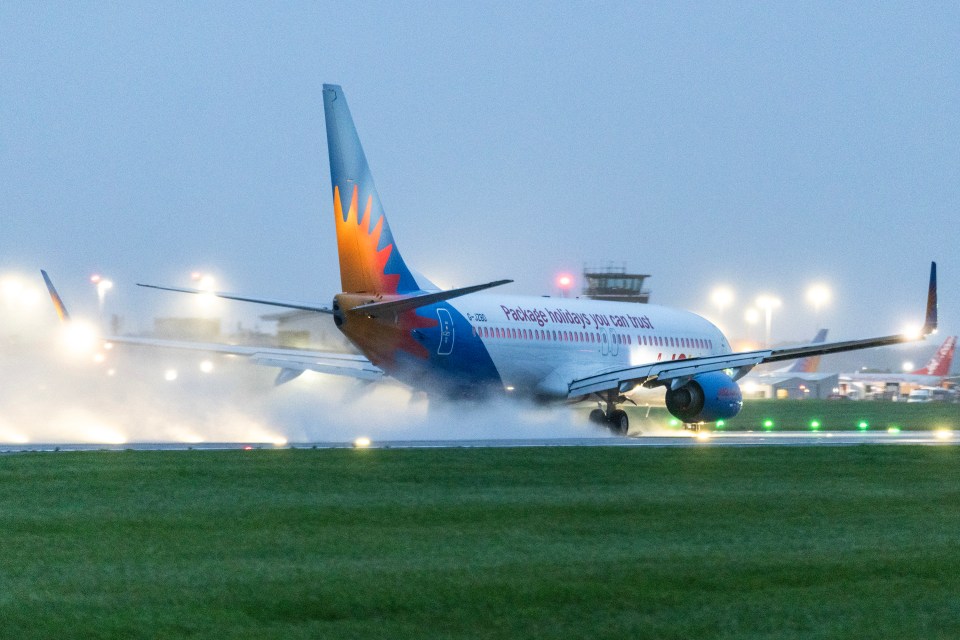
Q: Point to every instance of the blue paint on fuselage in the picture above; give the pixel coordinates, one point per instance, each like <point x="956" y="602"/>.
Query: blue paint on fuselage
<point x="458" y="362"/>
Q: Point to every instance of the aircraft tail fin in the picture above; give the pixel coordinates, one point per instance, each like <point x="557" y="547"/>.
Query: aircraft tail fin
<point x="370" y="261"/>
<point x="930" y="324"/>
<point x="941" y="361"/>
<point x="809" y="364"/>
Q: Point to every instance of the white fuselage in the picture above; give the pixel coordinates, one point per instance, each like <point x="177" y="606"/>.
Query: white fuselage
<point x="539" y="344"/>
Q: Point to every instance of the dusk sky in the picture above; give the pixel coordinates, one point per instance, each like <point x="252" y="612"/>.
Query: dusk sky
<point x="763" y="146"/>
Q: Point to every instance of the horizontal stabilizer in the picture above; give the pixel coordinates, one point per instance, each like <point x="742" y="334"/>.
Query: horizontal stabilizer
<point x="406" y="303"/>
<point x="230" y="296"/>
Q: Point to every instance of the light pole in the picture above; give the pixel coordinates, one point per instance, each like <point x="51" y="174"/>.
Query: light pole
<point x="721" y="297"/>
<point x="564" y="283"/>
<point x="103" y="285"/>
<point x="768" y="304"/>
<point x="752" y="317"/>
<point x="818" y="295"/>
<point x="206" y="303"/>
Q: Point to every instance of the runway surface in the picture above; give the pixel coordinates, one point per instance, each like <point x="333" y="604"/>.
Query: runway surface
<point x="712" y="439"/>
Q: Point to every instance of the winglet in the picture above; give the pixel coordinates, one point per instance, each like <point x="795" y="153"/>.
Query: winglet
<point x="55" y="297"/>
<point x="930" y="325"/>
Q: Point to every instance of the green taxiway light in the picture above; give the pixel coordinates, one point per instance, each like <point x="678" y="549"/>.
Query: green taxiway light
<point x="893" y="430"/>
<point x="768" y="424"/>
<point x="863" y="425"/>
<point x="814" y="424"/>
<point x="674" y="422"/>
<point x="720" y="424"/>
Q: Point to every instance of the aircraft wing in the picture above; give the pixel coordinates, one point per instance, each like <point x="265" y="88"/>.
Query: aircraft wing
<point x="654" y="373"/>
<point x="291" y="362"/>
<point x="677" y="372"/>
<point x="660" y="373"/>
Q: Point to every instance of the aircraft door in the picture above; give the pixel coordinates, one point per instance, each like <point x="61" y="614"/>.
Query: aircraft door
<point x="608" y="343"/>
<point x="446" y="332"/>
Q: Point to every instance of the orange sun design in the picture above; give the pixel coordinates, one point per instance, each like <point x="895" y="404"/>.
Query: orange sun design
<point x="362" y="264"/>
<point x="362" y="270"/>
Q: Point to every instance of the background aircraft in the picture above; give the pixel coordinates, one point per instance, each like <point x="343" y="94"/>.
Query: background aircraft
<point x="460" y="344"/>
<point x="809" y="364"/>
<point x="933" y="374"/>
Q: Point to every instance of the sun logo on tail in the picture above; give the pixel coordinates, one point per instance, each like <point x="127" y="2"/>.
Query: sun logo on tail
<point x="363" y="269"/>
<point x="362" y="261"/>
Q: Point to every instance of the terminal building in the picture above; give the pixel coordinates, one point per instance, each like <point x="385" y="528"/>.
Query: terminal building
<point x="790" y="386"/>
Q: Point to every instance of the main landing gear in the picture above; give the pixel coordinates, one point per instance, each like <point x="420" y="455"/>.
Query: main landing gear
<point x="612" y="418"/>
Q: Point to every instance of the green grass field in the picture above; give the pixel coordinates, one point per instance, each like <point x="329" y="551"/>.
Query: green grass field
<point x="830" y="542"/>
<point x="831" y="415"/>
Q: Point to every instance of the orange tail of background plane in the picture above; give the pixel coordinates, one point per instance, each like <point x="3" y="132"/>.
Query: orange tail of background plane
<point x="941" y="361"/>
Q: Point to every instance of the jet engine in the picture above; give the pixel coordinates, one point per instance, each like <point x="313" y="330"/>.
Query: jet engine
<point x="705" y="398"/>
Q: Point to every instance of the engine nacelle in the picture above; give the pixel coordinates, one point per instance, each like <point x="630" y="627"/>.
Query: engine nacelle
<point x="708" y="397"/>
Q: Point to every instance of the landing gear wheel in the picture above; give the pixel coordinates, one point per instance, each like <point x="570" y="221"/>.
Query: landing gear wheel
<point x="618" y="422"/>
<point x="597" y="416"/>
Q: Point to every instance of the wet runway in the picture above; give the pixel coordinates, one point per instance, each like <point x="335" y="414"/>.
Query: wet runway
<point x="712" y="439"/>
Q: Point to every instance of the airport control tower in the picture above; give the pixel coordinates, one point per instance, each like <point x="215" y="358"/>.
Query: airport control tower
<point x="614" y="284"/>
